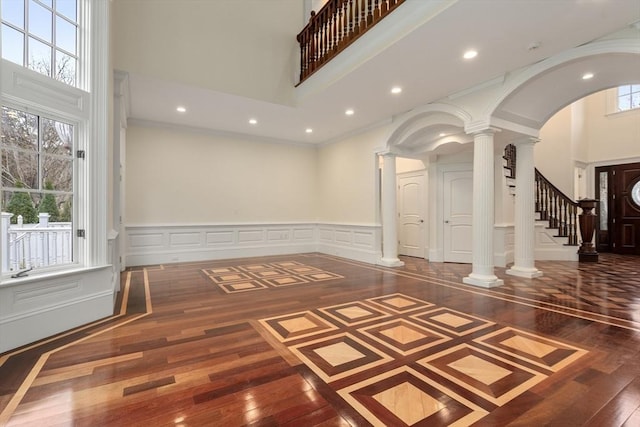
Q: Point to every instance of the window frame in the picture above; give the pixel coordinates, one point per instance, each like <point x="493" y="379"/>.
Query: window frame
<point x="77" y="258"/>
<point x="54" y="48"/>
<point x="46" y="112"/>
<point x="87" y="107"/>
<point x="611" y="102"/>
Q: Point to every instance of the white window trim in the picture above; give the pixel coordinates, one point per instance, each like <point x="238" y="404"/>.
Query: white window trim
<point x="611" y="100"/>
<point x="89" y="110"/>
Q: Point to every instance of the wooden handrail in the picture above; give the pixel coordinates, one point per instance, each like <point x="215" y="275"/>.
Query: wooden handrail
<point x="335" y="26"/>
<point x="557" y="208"/>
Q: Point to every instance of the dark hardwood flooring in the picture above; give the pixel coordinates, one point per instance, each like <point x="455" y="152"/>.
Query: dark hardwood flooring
<point x="309" y="339"/>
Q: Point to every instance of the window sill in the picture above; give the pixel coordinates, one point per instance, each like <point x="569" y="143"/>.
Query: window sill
<point x="616" y="113"/>
<point x="39" y="277"/>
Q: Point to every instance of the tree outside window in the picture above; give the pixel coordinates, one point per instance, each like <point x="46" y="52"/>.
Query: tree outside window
<point x="37" y="178"/>
<point x="43" y="36"/>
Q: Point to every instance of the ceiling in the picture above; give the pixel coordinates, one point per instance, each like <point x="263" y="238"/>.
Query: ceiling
<point x="427" y="63"/>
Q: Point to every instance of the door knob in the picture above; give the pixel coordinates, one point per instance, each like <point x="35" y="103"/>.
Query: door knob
<point x="446" y="221"/>
<point x="422" y="220"/>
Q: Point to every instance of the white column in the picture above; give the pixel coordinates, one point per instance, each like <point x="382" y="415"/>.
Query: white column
<point x="524" y="264"/>
<point x="389" y="213"/>
<point x="483" y="212"/>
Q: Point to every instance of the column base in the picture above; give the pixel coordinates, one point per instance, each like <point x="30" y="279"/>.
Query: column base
<point x="483" y="281"/>
<point x="390" y="262"/>
<point x="526" y="272"/>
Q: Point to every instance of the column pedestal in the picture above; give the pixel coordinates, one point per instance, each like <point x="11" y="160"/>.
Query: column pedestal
<point x="587" y="220"/>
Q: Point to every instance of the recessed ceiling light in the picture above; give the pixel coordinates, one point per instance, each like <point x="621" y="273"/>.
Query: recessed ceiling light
<point x="181" y="109"/>
<point x="470" y="54"/>
<point x="308" y="130"/>
<point x="587" y="76"/>
<point x="253" y="121"/>
<point x="396" y="89"/>
<point x="349" y="112"/>
<point x="442" y="134"/>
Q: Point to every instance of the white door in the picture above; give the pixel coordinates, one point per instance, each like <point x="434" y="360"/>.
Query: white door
<point x="411" y="214"/>
<point x="457" y="204"/>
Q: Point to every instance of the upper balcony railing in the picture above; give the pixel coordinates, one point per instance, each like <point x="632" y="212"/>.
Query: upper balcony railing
<point x="338" y="24"/>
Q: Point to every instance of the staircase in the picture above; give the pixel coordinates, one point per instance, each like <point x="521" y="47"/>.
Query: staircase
<point x="557" y="215"/>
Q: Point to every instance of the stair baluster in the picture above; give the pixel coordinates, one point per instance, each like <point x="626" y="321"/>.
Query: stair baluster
<point x="557" y="208"/>
<point x="336" y="25"/>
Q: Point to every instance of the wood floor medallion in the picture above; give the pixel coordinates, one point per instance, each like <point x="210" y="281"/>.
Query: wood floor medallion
<point x="431" y="356"/>
<point x="310" y="339"/>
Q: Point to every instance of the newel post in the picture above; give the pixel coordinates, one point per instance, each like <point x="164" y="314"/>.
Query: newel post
<point x="4" y="252"/>
<point x="587" y="220"/>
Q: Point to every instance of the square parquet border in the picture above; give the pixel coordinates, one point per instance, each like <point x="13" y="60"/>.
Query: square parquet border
<point x="254" y="277"/>
<point x="395" y="358"/>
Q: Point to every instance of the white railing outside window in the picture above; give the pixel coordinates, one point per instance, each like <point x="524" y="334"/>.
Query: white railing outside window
<point x="44" y="244"/>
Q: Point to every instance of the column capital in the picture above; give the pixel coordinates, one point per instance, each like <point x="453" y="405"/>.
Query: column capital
<point x="480" y="127"/>
<point x="527" y="140"/>
<point x="491" y="131"/>
<point x="386" y="153"/>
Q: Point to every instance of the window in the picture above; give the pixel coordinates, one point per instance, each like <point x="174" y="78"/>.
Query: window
<point x="628" y="97"/>
<point x="42" y="35"/>
<point x="50" y="109"/>
<point x="635" y="193"/>
<point x="37" y="190"/>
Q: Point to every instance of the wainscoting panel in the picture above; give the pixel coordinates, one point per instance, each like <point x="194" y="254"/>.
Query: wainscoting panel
<point x="148" y="245"/>
<point x="504" y="241"/>
<point x="34" y="309"/>
<point x="223" y="237"/>
<point x="353" y="241"/>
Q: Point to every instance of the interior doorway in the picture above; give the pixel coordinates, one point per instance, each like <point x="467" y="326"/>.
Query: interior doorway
<point x="618" y="190"/>
<point x="412" y="213"/>
<point x="457" y="215"/>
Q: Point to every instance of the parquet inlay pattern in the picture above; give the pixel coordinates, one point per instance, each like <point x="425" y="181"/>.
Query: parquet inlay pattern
<point x="458" y="353"/>
<point x="369" y="346"/>
<point x="253" y="277"/>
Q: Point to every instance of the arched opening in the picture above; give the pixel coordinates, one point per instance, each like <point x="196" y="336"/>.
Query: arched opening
<point x="584" y="137"/>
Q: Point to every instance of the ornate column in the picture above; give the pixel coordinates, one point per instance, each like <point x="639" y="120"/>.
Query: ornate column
<point x="389" y="212"/>
<point x="483" y="212"/>
<point x="524" y="256"/>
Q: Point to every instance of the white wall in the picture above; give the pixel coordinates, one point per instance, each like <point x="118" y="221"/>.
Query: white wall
<point x="347" y="176"/>
<point x="187" y="177"/>
<point x="610" y="136"/>
<point x="197" y="196"/>
<point x="553" y="154"/>
<point x="404" y="165"/>
<point x="585" y="132"/>
<point x="246" y="48"/>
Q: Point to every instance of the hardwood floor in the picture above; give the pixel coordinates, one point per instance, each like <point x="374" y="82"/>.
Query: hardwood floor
<point x="310" y="339"/>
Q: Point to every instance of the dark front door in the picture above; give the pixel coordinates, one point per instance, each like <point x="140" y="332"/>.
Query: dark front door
<point x="618" y="189"/>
